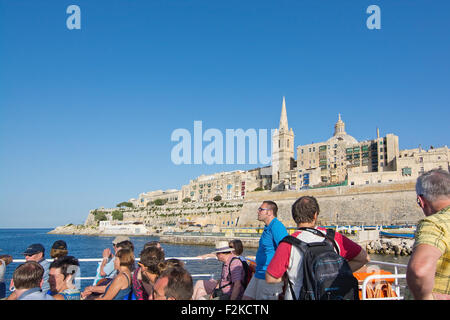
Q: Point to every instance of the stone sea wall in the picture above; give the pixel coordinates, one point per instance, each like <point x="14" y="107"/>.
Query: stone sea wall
<point x="393" y="203"/>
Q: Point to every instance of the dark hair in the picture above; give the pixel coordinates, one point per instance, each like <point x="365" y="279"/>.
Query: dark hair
<point x="58" y="253"/>
<point x="273" y="206"/>
<point x="28" y="275"/>
<point x="66" y="264"/>
<point x="180" y="285"/>
<point x="152" y="258"/>
<point x="237" y="245"/>
<point x="127" y="244"/>
<point x="304" y="208"/>
<point x="152" y="244"/>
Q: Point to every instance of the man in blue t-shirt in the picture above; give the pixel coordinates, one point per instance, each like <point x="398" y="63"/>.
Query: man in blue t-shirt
<point x="274" y="232"/>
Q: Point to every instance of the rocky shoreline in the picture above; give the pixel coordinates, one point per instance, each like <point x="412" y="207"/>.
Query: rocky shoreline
<point x="391" y="246"/>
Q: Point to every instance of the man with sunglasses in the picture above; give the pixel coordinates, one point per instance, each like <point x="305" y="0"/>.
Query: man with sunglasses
<point x="106" y="268"/>
<point x="274" y="232"/>
<point x="428" y="273"/>
<point x="36" y="253"/>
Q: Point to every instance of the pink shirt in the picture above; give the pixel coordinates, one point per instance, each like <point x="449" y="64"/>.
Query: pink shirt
<point x="237" y="275"/>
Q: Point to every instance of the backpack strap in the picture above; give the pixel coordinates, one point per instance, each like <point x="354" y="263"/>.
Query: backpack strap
<point x="229" y="272"/>
<point x="330" y="234"/>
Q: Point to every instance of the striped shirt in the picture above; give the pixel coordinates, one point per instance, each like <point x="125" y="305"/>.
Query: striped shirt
<point x="434" y="230"/>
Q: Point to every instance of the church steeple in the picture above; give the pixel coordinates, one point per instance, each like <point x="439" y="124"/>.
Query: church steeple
<point x="339" y="127"/>
<point x="283" y="119"/>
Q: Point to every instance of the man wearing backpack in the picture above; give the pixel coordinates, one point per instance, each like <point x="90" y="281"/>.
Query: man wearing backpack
<point x="290" y="258"/>
<point x="231" y="285"/>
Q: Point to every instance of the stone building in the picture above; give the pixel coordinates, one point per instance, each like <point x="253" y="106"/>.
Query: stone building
<point x="342" y="160"/>
<point x="232" y="185"/>
<point x="168" y="196"/>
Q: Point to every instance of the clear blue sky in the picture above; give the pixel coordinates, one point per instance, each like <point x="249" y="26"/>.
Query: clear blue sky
<point x="86" y="115"/>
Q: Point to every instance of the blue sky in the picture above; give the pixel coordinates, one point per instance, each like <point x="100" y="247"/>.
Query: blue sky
<point x="86" y="115"/>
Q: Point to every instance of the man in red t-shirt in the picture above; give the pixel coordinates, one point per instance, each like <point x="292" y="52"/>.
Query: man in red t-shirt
<point x="287" y="259"/>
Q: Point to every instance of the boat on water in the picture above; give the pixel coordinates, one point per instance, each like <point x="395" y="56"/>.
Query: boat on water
<point x="407" y="235"/>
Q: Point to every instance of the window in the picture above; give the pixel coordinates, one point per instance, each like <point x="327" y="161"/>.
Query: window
<point x="288" y="143"/>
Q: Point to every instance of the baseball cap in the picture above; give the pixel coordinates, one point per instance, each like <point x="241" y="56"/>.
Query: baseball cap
<point x="33" y="249"/>
<point x="120" y="239"/>
<point x="60" y="244"/>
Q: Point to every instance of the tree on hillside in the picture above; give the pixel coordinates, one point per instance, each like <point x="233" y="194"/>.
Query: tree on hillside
<point x="117" y="215"/>
<point x="125" y="204"/>
<point x="217" y="198"/>
<point x="160" y="202"/>
<point x="187" y="199"/>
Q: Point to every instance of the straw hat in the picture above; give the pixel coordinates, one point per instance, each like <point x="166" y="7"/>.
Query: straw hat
<point x="222" y="246"/>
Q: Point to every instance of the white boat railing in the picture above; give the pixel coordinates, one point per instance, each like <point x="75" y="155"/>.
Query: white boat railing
<point x="396" y="285"/>
<point x="198" y="275"/>
<point x="396" y="275"/>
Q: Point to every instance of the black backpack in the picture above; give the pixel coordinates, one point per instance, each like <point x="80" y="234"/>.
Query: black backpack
<point x="247" y="272"/>
<point x="326" y="275"/>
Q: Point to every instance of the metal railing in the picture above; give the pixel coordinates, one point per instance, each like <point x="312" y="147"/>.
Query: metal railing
<point x="198" y="275"/>
<point x="396" y="276"/>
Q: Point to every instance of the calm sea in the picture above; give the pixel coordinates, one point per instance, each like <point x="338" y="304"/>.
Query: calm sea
<point x="15" y="241"/>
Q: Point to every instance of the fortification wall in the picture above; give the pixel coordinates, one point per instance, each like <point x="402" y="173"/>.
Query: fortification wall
<point x="393" y="203"/>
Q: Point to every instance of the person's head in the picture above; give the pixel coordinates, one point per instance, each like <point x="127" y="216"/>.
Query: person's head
<point x="267" y="211"/>
<point x="174" y="284"/>
<point x="59" y="249"/>
<point x="433" y="191"/>
<point x="124" y="258"/>
<point x="305" y="210"/>
<point x="34" y="252"/>
<point x="237" y="245"/>
<point x="223" y="250"/>
<point x="62" y="273"/>
<point x="127" y="244"/>
<point x="28" y="275"/>
<point x="118" y="240"/>
<point x="151" y="263"/>
<point x="156" y="244"/>
<point x="6" y="258"/>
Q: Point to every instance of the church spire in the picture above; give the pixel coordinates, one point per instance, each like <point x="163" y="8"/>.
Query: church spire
<point x="283" y="118"/>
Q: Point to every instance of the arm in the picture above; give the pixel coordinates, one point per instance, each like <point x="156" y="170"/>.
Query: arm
<point x="113" y="289"/>
<point x="106" y="254"/>
<point x="236" y="288"/>
<point x="421" y="271"/>
<point x="272" y="279"/>
<point x="360" y="260"/>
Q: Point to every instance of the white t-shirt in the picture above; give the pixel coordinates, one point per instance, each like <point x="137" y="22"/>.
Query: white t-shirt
<point x="2" y="270"/>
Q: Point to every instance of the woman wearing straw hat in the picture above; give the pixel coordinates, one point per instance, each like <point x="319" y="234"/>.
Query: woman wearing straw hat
<point x="229" y="287"/>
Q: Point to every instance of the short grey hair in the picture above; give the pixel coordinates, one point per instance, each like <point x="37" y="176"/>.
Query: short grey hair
<point x="434" y="185"/>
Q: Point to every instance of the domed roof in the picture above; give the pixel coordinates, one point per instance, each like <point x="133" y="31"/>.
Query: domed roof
<point x="340" y="136"/>
<point x="342" y="139"/>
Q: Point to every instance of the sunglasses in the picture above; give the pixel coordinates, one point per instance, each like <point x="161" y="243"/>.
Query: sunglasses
<point x="262" y="209"/>
<point x="418" y="200"/>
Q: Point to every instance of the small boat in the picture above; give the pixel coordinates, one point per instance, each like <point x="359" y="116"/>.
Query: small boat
<point x="409" y="235"/>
